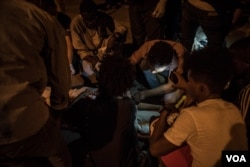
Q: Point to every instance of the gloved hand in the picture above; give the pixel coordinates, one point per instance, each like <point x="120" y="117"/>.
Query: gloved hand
<point x="160" y="9"/>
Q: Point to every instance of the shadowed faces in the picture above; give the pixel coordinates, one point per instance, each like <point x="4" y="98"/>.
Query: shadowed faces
<point x="90" y="19"/>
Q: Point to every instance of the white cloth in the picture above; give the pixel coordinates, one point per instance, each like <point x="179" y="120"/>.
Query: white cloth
<point x="209" y="128"/>
<point x="142" y="120"/>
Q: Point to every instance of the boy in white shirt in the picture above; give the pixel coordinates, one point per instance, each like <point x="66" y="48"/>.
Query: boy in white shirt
<point x="212" y="125"/>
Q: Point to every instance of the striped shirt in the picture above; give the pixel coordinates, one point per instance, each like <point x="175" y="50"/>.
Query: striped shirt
<point x="244" y="100"/>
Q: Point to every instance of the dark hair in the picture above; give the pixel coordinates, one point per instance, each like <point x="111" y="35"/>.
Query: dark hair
<point x="161" y="53"/>
<point x="116" y="75"/>
<point x="88" y="6"/>
<point x="63" y="19"/>
<point x="211" y="66"/>
<point x="241" y="49"/>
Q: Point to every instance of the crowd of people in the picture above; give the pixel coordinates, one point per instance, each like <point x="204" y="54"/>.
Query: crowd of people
<point x="167" y="90"/>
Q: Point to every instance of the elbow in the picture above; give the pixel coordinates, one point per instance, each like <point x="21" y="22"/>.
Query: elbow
<point x="154" y="151"/>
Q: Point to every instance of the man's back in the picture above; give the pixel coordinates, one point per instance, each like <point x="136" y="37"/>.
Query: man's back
<point x="29" y="61"/>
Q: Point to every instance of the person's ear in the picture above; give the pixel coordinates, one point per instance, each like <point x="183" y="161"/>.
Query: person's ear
<point x="203" y="89"/>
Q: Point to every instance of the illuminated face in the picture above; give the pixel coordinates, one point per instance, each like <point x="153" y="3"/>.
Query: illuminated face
<point x="158" y="68"/>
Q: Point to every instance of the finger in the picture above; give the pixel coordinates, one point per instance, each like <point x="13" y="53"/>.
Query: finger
<point x="154" y="14"/>
<point x="159" y="15"/>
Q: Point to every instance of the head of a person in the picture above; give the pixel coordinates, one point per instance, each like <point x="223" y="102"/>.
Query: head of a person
<point x="160" y="55"/>
<point x="116" y="76"/>
<point x="209" y="71"/>
<point x="240" y="52"/>
<point x="88" y="11"/>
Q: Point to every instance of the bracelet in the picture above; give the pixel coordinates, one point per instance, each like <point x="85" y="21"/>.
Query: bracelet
<point x="171" y="118"/>
<point x="141" y="95"/>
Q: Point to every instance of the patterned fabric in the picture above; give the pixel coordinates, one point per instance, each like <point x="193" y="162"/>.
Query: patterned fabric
<point x="244" y="100"/>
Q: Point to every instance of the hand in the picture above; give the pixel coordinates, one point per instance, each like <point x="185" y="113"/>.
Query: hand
<point x="160" y="9"/>
<point x="114" y="41"/>
<point x="138" y="96"/>
<point x="97" y="66"/>
<point x="169" y="108"/>
<point x="72" y="69"/>
<point x="46" y="95"/>
<point x="236" y="15"/>
<point x="182" y="84"/>
<point x="111" y="43"/>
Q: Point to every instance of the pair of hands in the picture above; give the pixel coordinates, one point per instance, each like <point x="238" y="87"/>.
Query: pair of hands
<point x="181" y="84"/>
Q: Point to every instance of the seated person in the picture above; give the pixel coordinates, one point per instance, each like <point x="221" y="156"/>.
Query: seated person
<point x="107" y="123"/>
<point x="154" y="57"/>
<point x="212" y="124"/>
<point x="156" y="67"/>
<point x="158" y="57"/>
<point x="238" y="91"/>
<point x="239" y="52"/>
<point x="93" y="34"/>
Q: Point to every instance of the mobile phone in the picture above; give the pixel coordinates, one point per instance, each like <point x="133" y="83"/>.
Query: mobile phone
<point x="173" y="77"/>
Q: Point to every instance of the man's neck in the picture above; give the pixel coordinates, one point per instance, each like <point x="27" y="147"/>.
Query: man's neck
<point x="211" y="96"/>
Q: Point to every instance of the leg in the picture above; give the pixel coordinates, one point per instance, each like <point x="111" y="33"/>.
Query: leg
<point x="137" y="25"/>
<point x="154" y="27"/>
<point x="188" y="26"/>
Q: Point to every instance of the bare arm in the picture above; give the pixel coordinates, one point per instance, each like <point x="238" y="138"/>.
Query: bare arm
<point x="160" y="8"/>
<point x="159" y="145"/>
<point x="163" y="89"/>
<point x="57" y="67"/>
<point x="147" y="106"/>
